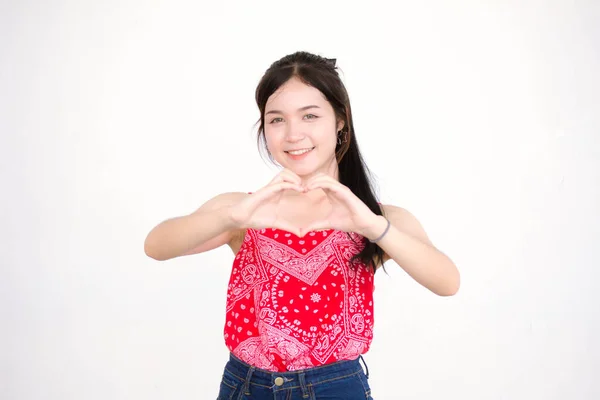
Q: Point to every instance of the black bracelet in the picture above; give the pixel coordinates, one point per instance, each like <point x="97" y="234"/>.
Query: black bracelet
<point x="387" y="228"/>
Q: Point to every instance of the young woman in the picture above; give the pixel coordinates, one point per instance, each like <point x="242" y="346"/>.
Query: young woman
<point x="299" y="311"/>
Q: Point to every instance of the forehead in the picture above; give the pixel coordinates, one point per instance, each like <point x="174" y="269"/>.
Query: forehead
<point x="295" y="94"/>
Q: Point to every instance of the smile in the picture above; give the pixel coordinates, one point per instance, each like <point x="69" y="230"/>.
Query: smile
<point x="299" y="152"/>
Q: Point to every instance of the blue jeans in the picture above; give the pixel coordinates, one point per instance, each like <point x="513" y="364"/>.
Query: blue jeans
<point x="343" y="380"/>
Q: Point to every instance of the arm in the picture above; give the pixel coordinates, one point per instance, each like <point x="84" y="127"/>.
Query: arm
<point x="205" y="229"/>
<point x="409" y="246"/>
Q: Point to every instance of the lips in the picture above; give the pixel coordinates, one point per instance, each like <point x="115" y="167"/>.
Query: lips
<point x="299" y="152"/>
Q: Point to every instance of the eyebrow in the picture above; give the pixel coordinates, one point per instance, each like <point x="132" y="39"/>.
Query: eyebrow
<point x="300" y="109"/>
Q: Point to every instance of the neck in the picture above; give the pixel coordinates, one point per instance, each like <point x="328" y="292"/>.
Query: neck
<point x="330" y="169"/>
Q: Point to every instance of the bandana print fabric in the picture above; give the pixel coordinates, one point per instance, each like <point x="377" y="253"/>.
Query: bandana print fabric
<point x="296" y="303"/>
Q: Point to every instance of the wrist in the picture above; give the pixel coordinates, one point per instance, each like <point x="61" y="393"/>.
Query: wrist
<point x="231" y="217"/>
<point x="376" y="229"/>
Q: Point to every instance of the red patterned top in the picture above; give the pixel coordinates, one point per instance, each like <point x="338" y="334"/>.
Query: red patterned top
<point x="295" y="303"/>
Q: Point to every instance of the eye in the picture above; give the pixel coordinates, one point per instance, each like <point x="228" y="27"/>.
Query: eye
<point x="274" y="120"/>
<point x="311" y="115"/>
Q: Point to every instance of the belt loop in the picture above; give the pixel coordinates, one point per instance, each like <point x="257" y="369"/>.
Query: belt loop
<point x="366" y="367"/>
<point x="305" y="393"/>
<point x="246" y="387"/>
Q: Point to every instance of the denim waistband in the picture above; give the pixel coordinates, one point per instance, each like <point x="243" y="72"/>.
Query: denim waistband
<point x="311" y="376"/>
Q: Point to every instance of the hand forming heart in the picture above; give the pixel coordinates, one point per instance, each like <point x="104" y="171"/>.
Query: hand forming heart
<point x="262" y="209"/>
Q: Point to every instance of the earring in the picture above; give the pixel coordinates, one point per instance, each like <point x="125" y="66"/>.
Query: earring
<point x="339" y="139"/>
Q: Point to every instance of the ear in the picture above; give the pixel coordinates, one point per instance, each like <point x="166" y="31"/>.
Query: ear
<point x="340" y="125"/>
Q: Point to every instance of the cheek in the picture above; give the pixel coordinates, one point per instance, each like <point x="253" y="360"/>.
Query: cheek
<point x="270" y="138"/>
<point x="328" y="136"/>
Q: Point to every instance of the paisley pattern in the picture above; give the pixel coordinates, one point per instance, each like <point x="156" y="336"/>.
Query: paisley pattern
<point x="295" y="303"/>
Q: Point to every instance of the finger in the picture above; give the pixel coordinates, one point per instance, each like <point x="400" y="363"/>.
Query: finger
<point x="323" y="178"/>
<point x="286" y="176"/>
<point x="286" y="226"/>
<point x="317" y="226"/>
<point x="328" y="184"/>
<point x="276" y="179"/>
<point x="290" y="176"/>
<point x="268" y="191"/>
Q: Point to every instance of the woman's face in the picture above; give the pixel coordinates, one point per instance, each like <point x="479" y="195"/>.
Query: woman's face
<point x="301" y="129"/>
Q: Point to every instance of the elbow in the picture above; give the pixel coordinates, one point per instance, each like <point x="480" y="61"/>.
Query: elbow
<point x="151" y="250"/>
<point x="154" y="256"/>
<point x="447" y="292"/>
<point x="451" y="286"/>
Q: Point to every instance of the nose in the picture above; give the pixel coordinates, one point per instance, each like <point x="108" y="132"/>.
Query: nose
<point x="294" y="132"/>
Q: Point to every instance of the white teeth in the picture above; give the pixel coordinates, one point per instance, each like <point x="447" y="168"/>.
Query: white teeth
<point x="298" y="152"/>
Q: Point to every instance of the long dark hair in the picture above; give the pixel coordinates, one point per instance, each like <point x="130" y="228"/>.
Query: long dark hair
<point x="320" y="73"/>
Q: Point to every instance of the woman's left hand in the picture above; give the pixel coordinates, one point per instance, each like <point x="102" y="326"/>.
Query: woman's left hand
<point x="347" y="213"/>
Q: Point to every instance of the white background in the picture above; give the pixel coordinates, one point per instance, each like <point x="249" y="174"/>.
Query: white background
<point x="481" y="118"/>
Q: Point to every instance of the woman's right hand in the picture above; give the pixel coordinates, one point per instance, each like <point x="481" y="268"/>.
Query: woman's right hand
<point x="261" y="209"/>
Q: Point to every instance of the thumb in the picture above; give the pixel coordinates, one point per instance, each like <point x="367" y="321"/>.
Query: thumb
<point x="286" y="226"/>
<point x="316" y="226"/>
